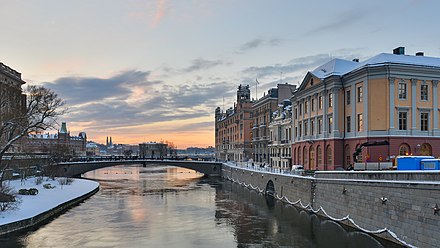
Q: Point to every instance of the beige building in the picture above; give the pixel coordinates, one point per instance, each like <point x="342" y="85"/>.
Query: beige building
<point x="390" y="100"/>
<point x="262" y="110"/>
<point x="280" y="144"/>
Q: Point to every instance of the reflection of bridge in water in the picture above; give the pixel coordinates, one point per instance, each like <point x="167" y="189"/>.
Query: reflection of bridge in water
<point x="71" y="169"/>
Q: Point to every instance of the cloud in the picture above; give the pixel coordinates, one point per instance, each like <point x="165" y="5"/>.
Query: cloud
<point x="340" y="21"/>
<point x="77" y="90"/>
<point x="203" y="64"/>
<point x="160" y="13"/>
<point x="295" y="65"/>
<point x="258" y="42"/>
<point x="130" y="98"/>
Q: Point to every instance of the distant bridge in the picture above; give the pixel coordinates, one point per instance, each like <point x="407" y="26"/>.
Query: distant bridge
<point x="72" y="169"/>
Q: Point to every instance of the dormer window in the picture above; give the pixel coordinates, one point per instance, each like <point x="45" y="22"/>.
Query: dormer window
<point x="311" y="82"/>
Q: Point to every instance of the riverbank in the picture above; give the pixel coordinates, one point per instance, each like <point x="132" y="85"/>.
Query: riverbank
<point x="49" y="202"/>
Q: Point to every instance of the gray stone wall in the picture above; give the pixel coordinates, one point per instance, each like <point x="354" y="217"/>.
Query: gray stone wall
<point x="407" y="208"/>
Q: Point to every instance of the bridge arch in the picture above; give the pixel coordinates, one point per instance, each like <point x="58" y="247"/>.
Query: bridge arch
<point x="270" y="188"/>
<point x="72" y="169"/>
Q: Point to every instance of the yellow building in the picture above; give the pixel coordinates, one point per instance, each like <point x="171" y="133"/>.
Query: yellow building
<point x="390" y="100"/>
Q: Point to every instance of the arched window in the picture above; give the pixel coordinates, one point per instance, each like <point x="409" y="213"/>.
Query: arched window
<point x="347" y="156"/>
<point x="295" y="157"/>
<point x="312" y="158"/>
<point x="426" y="149"/>
<point x="319" y="155"/>
<point x="329" y="155"/>
<point x="404" y="149"/>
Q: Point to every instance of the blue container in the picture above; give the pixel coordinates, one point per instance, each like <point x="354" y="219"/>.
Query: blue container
<point x="430" y="164"/>
<point x="410" y="162"/>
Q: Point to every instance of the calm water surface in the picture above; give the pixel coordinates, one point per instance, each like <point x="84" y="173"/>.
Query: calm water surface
<point x="173" y="207"/>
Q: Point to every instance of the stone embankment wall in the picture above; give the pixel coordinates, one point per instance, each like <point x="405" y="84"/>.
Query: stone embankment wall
<point x="398" y="206"/>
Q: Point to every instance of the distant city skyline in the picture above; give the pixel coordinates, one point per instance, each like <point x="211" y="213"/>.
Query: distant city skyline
<point x="142" y="71"/>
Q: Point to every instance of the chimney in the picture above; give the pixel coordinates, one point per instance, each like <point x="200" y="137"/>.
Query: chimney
<point x="355" y="60"/>
<point x="399" y="50"/>
<point x="420" y="54"/>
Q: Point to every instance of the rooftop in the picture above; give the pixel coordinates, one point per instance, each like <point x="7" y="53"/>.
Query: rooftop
<point x="341" y="67"/>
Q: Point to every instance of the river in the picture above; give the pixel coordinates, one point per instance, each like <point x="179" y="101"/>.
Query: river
<point x="161" y="206"/>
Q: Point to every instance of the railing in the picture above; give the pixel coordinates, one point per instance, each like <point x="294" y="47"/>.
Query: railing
<point x="265" y="168"/>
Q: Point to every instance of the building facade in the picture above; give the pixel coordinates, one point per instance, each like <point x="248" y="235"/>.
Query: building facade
<point x="233" y="135"/>
<point x="280" y="135"/>
<point x="153" y="150"/>
<point x="61" y="144"/>
<point x="262" y="110"/>
<point x="390" y="100"/>
<point x="12" y="99"/>
<point x="263" y="114"/>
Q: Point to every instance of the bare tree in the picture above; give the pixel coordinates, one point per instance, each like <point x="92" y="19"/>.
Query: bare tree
<point x="43" y="107"/>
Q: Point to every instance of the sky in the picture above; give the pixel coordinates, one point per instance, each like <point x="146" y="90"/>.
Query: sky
<point x="155" y="70"/>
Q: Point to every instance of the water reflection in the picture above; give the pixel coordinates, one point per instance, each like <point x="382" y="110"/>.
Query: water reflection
<point x="172" y="207"/>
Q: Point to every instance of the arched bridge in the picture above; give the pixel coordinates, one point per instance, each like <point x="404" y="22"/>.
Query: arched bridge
<point x="71" y="169"/>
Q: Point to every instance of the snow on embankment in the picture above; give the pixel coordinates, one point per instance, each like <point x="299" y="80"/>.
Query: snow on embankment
<point x="34" y="209"/>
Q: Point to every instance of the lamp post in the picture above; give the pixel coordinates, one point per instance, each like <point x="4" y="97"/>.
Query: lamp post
<point x="417" y="148"/>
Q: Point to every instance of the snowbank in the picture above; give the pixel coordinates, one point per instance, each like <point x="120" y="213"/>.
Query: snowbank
<point x="46" y="199"/>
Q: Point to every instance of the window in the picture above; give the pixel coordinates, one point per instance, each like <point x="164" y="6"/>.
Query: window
<point x="347" y="96"/>
<point x="306" y="107"/>
<point x="305" y="128"/>
<point x="300" y="129"/>
<point x="403" y="120"/>
<point x="313" y="104"/>
<point x="296" y="113"/>
<point x="359" y="94"/>
<point x="311" y="82"/>
<point x="402" y="90"/>
<point x="329" y="156"/>
<point x="348" y="122"/>
<point x="320" y="102"/>
<point x="330" y="100"/>
<point x="296" y="131"/>
<point x="300" y="109"/>
<point x="404" y="149"/>
<point x="424" y="92"/>
<point x="360" y="123"/>
<point x="320" y="126"/>
<point x="312" y="127"/>
<point x="330" y="122"/>
<point x="424" y="121"/>
<point x="347" y="155"/>
<point x="319" y="153"/>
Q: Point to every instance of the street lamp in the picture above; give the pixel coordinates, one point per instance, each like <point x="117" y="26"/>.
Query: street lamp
<point x="417" y="148"/>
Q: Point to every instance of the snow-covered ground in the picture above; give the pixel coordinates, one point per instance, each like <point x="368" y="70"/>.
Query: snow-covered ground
<point x="46" y="199"/>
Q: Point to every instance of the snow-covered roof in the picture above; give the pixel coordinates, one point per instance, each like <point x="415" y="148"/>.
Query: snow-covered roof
<point x="340" y="67"/>
<point x="335" y="67"/>
<point x="384" y="58"/>
<point x="43" y="136"/>
<point x="91" y="145"/>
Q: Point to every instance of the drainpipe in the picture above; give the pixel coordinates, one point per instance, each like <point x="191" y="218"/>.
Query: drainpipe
<point x="389" y="141"/>
<point x="343" y="128"/>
